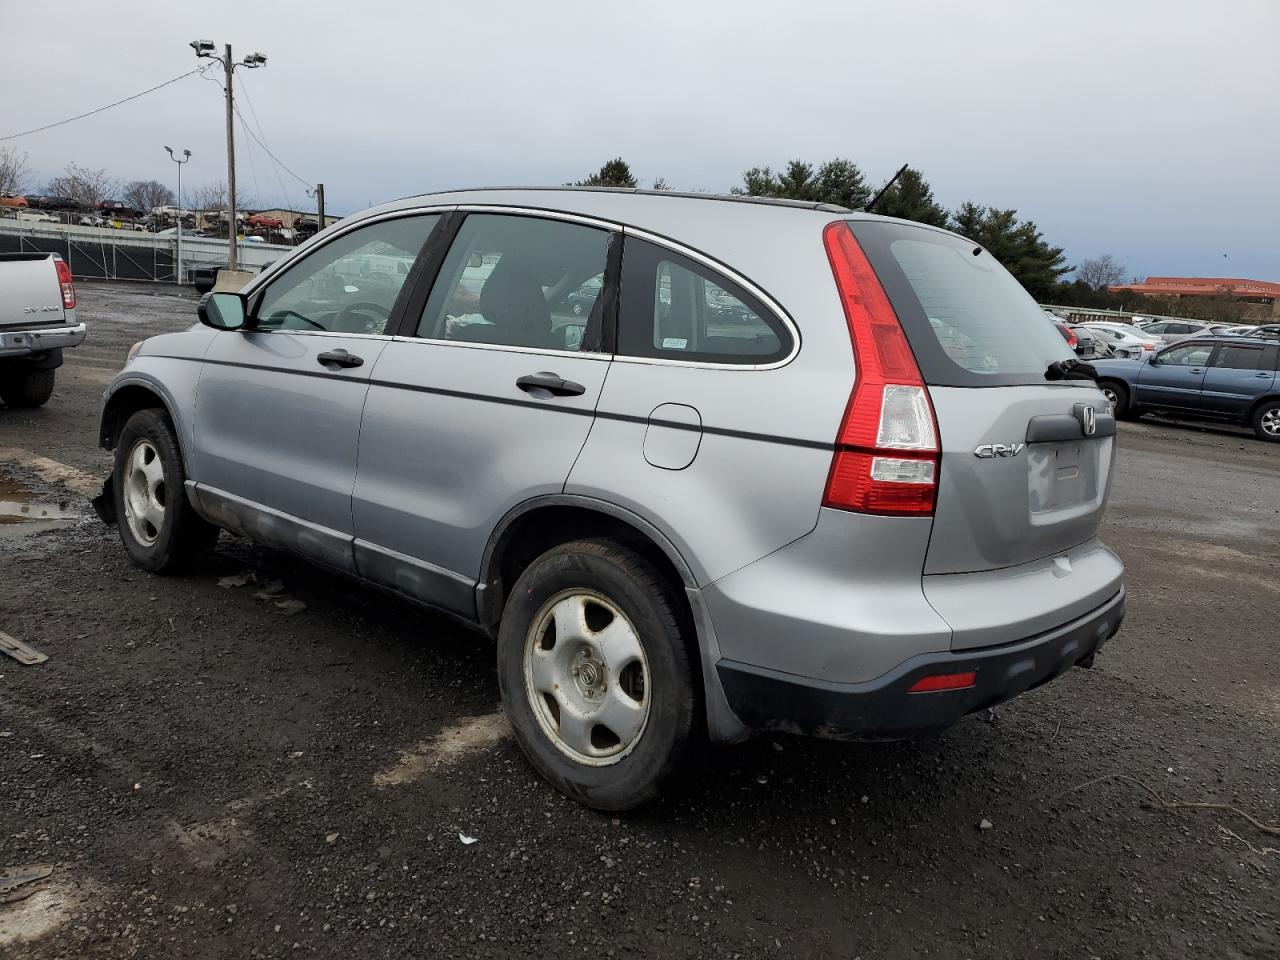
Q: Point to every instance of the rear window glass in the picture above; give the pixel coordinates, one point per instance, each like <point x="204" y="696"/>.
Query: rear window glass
<point x="969" y="322"/>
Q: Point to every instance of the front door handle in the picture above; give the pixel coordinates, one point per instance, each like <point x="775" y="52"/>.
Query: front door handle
<point x="338" y="358"/>
<point x="556" y="386"/>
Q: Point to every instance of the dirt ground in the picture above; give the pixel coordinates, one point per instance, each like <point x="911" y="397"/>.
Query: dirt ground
<point x="214" y="775"/>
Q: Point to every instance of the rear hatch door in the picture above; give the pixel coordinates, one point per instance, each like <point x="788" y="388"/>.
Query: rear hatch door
<point x="1026" y="455"/>
<point x="30" y="294"/>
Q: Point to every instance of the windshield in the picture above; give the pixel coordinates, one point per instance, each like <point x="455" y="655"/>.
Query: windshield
<point x="969" y="322"/>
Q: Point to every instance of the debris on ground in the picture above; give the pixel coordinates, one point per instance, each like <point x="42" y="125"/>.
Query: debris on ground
<point x="23" y="653"/>
<point x="467" y="841"/>
<point x="19" y="882"/>
<point x="985" y="824"/>
<point x="272" y="591"/>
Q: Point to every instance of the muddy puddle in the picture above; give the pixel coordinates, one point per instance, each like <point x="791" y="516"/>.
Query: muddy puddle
<point x="24" y="511"/>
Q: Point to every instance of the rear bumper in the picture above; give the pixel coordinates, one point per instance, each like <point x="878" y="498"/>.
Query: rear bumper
<point x="21" y="343"/>
<point x="882" y="709"/>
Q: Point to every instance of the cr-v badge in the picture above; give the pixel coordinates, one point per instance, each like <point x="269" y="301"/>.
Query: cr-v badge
<point x="989" y="450"/>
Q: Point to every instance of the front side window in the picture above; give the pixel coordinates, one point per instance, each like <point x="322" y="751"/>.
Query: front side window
<point x="349" y="285"/>
<point x="519" y="282"/>
<point x="1190" y="355"/>
<point x="674" y="308"/>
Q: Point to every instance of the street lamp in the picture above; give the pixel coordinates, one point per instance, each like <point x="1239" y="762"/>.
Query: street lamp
<point x="186" y="158"/>
<point x="204" y="50"/>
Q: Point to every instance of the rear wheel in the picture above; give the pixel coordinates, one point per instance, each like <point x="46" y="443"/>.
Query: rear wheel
<point x="158" y="527"/>
<point x="595" y="674"/>
<point x="26" y="388"/>
<point x="1266" y="421"/>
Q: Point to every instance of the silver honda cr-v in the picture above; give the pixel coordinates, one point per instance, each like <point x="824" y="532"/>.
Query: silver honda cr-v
<point x="703" y="466"/>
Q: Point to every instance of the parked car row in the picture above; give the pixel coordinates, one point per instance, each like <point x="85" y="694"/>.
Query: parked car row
<point x="1229" y="378"/>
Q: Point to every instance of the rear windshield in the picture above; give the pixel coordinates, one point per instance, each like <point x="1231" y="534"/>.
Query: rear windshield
<point x="969" y="322"/>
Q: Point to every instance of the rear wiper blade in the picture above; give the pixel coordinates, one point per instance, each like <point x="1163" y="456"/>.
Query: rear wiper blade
<point x="1071" y="370"/>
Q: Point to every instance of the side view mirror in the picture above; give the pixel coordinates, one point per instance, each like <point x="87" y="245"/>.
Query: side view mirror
<point x="1154" y="361"/>
<point x="223" y="311"/>
<point x="475" y="260"/>
<point x="573" y="336"/>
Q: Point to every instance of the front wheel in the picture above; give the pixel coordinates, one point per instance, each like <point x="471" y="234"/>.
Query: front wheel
<point x="595" y="674"/>
<point x="1266" y="421"/>
<point x="158" y="527"/>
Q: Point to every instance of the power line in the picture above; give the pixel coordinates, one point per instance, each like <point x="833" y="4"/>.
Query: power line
<point x="50" y="126"/>
<point x="275" y="168"/>
<point x="260" y="143"/>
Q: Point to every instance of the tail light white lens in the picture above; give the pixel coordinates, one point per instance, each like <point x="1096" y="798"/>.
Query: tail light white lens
<point x="889" y="410"/>
<point x="65" y="281"/>
<point x="906" y="419"/>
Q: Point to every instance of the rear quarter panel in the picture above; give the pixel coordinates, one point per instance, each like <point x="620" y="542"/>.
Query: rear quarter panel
<point x="757" y="479"/>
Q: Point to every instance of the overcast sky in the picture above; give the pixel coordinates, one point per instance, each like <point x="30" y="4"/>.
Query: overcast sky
<point x="1149" y="130"/>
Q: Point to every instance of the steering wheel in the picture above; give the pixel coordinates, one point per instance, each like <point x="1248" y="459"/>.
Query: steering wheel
<point x="340" y="322"/>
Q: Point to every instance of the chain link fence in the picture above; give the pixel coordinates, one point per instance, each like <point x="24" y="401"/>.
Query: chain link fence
<point x="106" y="254"/>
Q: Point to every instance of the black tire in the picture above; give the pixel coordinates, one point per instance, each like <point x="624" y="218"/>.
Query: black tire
<point x="1266" y="421"/>
<point x="629" y="582"/>
<point x="27" y="388"/>
<point x="1118" y="394"/>
<point x="182" y="538"/>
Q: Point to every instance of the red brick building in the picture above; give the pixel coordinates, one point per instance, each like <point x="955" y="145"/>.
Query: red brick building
<point x="1261" y="292"/>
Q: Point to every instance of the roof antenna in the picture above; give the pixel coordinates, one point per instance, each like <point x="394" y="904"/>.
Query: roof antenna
<point x="885" y="188"/>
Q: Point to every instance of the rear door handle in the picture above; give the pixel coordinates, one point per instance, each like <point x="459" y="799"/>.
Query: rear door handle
<point x="557" y="386"/>
<point x="339" y="358"/>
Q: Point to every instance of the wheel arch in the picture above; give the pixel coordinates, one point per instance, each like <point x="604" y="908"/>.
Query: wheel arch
<point x="535" y="526"/>
<point x="1265" y="398"/>
<point x="126" y="399"/>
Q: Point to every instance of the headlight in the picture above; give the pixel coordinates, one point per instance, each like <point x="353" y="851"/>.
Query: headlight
<point x="133" y="352"/>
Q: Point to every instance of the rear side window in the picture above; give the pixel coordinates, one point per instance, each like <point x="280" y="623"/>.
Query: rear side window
<point x="675" y="308"/>
<point x="969" y="322"/>
<point x="1241" y="357"/>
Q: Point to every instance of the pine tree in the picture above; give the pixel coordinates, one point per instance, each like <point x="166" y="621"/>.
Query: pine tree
<point x="615" y="173"/>
<point x="911" y="198"/>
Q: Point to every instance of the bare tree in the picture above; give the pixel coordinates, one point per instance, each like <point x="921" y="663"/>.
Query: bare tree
<point x="210" y="196"/>
<point x="86" y="187"/>
<point x="1100" y="272"/>
<point x="661" y="184"/>
<point x="146" y="195"/>
<point x="13" y="170"/>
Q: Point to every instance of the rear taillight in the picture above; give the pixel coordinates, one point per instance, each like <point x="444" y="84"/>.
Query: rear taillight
<point x="886" y="457"/>
<point x="66" y="282"/>
<point x="1070" y="336"/>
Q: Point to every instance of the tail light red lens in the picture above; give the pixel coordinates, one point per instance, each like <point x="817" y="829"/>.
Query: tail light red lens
<point x="944" y="681"/>
<point x="886" y="459"/>
<point x="66" y="282"/>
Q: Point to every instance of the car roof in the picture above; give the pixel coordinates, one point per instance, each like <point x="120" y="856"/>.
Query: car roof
<point x="773" y="242"/>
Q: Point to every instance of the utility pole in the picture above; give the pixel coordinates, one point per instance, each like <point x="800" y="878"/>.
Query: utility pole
<point x="232" y="258"/>
<point x="204" y="50"/>
<point x="320" y="205"/>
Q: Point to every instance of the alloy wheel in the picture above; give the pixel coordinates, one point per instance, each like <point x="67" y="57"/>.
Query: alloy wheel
<point x="1270" y="422"/>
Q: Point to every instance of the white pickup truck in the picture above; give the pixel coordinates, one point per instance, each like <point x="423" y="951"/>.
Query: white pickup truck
<point x="37" y="320"/>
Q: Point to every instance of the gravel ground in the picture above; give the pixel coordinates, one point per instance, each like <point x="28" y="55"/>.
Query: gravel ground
<point x="213" y="777"/>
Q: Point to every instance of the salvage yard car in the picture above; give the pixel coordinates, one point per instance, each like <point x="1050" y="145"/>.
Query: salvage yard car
<point x="37" y="321"/>
<point x="1228" y="378"/>
<point x="861" y="504"/>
